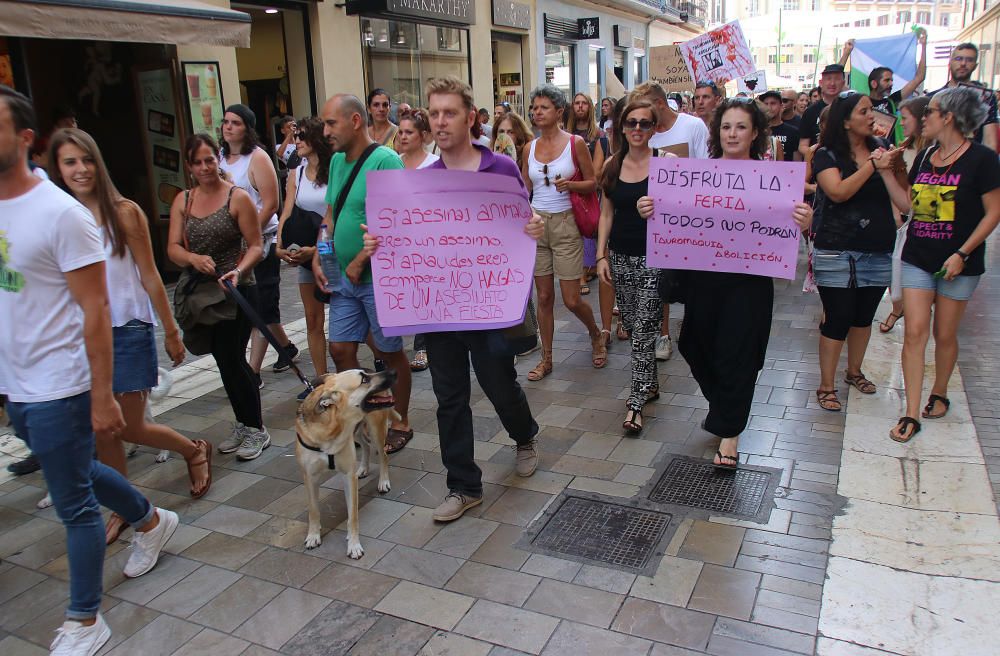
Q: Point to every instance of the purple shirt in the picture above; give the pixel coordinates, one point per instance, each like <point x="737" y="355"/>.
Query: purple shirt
<point x="490" y="162"/>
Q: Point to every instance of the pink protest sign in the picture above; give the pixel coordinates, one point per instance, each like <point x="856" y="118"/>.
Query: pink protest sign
<point x="452" y="250"/>
<point x="724" y="215"/>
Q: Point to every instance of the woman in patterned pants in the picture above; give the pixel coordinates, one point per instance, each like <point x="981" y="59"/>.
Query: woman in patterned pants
<point x="621" y="249"/>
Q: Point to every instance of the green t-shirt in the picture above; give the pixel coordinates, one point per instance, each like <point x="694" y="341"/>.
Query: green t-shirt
<point x="347" y="235"/>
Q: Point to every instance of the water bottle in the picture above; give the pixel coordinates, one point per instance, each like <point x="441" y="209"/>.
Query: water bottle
<point x="328" y="259"/>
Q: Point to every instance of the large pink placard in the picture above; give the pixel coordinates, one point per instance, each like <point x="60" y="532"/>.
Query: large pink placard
<point x="724" y="215"/>
<point x="452" y="250"/>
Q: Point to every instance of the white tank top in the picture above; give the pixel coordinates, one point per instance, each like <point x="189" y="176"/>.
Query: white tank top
<point x="546" y="197"/>
<point x="309" y="196"/>
<point x="126" y="295"/>
<point x="239" y="175"/>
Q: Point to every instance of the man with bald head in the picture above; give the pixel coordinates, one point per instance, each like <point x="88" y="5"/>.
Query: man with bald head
<point x="352" y="303"/>
<point x="788" y="99"/>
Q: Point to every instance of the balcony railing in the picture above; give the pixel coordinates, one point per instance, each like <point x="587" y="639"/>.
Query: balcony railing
<point x="689" y="11"/>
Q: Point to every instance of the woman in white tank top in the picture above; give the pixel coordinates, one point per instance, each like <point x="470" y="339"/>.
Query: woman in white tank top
<point x="306" y="189"/>
<point x="134" y="290"/>
<point x="547" y="170"/>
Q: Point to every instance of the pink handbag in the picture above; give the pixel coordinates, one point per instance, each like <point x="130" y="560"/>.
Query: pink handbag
<point x="586" y="207"/>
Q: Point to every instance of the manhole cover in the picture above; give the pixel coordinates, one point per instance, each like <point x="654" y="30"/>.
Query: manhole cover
<point x="604" y="532"/>
<point x="697" y="484"/>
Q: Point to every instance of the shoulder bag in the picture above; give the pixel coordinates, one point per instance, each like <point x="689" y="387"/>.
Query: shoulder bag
<point x="301" y="226"/>
<point x="586" y="207"/>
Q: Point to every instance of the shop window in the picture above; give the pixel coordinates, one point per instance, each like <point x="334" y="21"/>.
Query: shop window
<point x="559" y="66"/>
<point x="883" y="19"/>
<point x="620" y="66"/>
<point x="924" y="17"/>
<point x="808" y="58"/>
<point x="401" y="56"/>
<point x="903" y="17"/>
<point x="595" y="73"/>
<point x="637" y="62"/>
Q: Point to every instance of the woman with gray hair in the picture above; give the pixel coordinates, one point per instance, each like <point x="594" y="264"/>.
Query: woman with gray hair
<point x="955" y="197"/>
<point x="556" y="164"/>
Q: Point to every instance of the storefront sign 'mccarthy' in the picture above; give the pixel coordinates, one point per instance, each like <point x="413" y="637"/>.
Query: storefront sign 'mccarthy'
<point x="452" y="250"/>
<point x="456" y="11"/>
<point x="722" y="215"/>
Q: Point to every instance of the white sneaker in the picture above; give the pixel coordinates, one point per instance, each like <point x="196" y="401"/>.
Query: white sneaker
<point x="146" y="546"/>
<point x="235" y="440"/>
<point x="664" y="347"/>
<point x="253" y="444"/>
<point x="75" y="639"/>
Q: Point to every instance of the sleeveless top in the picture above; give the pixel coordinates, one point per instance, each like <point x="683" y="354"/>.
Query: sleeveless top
<point x="628" y="230"/>
<point x="390" y="134"/>
<point x="218" y="236"/>
<point x="126" y="295"/>
<point x="546" y="197"/>
<point x="308" y="195"/>
<point x="239" y="175"/>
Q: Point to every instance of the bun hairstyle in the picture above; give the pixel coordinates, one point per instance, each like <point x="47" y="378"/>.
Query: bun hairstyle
<point x="194" y="143"/>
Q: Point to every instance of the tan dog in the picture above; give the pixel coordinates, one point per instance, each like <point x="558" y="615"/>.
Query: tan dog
<point x="344" y="407"/>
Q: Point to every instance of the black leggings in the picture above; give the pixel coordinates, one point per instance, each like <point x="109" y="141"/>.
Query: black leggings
<point x="229" y="348"/>
<point x="846" y="308"/>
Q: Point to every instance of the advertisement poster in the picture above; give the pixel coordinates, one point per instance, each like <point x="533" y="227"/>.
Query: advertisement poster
<point x="162" y="136"/>
<point x="725" y="215"/>
<point x="667" y="68"/>
<point x="452" y="250"/>
<point x="204" y="96"/>
<point x="718" y="56"/>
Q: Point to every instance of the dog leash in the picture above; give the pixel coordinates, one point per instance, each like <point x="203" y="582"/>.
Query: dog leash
<point x="259" y="324"/>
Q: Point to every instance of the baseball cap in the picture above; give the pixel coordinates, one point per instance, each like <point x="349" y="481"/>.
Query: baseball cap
<point x="833" y="68"/>
<point x="769" y="94"/>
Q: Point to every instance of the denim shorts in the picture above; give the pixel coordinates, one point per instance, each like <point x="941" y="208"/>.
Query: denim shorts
<point x="305" y="275"/>
<point x="353" y="315"/>
<point x="846" y="269"/>
<point x="135" y="357"/>
<point x="959" y="289"/>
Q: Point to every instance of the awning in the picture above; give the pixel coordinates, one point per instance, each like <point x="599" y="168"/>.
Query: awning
<point x="142" y="21"/>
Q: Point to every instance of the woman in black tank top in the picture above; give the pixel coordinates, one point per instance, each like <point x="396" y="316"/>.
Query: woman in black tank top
<point x="621" y="254"/>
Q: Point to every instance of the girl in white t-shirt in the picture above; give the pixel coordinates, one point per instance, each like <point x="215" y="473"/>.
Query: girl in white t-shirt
<point x="135" y="292"/>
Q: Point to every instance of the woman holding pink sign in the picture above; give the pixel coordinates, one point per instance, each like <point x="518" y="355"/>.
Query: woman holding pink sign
<point x="727" y="316"/>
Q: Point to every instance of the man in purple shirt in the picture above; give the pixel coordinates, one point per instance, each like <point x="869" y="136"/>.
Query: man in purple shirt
<point x="452" y="115"/>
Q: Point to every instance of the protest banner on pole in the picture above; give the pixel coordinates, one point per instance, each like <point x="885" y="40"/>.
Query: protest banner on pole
<point x="753" y="84"/>
<point x="452" y="250"/>
<point x="718" y="56"/>
<point x="724" y="215"/>
<point x="667" y="68"/>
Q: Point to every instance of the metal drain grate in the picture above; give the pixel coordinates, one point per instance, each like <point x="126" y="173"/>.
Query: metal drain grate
<point x="604" y="532"/>
<point x="698" y="484"/>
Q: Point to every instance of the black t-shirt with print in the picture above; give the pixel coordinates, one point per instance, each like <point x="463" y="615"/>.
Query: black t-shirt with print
<point x="864" y="222"/>
<point x="809" y="127"/>
<point x="788" y="135"/>
<point x="947" y="208"/>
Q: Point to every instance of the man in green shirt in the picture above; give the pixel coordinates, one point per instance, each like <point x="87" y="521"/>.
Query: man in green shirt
<point x="353" y="318"/>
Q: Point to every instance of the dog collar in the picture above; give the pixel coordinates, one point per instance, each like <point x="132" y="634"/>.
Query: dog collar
<point x="329" y="456"/>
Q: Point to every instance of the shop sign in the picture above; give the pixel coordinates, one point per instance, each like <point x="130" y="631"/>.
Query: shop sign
<point x="588" y="28"/>
<point x="161" y="136"/>
<point x="511" y="14"/>
<point x="454" y="11"/>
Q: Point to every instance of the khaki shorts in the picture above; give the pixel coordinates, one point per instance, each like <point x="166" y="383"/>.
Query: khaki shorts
<point x="560" y="248"/>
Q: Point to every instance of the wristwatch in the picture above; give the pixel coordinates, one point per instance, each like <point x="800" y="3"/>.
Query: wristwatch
<point x="239" y="274"/>
<point x="962" y="254"/>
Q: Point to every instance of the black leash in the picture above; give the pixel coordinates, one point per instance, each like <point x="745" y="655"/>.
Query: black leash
<point x="264" y="330"/>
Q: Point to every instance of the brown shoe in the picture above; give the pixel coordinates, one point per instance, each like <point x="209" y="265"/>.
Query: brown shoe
<point x="525" y="459"/>
<point x="454" y="506"/>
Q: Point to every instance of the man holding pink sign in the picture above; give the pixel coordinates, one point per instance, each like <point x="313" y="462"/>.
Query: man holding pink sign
<point x="457" y="266"/>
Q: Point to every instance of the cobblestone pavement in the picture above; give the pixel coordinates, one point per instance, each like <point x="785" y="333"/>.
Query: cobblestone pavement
<point x="237" y="579"/>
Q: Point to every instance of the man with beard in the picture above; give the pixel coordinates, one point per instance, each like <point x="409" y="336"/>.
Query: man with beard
<point x="962" y="64"/>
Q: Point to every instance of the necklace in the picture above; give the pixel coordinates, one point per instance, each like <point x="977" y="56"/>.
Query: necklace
<point x="957" y="148"/>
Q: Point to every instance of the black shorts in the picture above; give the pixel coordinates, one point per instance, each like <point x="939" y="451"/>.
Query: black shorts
<point x="268" y="277"/>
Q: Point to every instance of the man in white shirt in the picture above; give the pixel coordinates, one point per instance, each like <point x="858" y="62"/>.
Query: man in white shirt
<point x="55" y="368"/>
<point x="683" y="135"/>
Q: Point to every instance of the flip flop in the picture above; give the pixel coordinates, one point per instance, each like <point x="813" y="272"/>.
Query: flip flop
<point x="396" y="439"/>
<point x="931" y="400"/>
<point x="723" y="465"/>
<point x="419" y="361"/>
<point x="903" y="425"/>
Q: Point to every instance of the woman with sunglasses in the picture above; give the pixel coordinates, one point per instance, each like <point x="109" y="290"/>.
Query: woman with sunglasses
<point x="550" y="164"/>
<point x="727" y="316"/>
<point x="306" y="190"/>
<point x="956" y="207"/>
<point x="854" y="241"/>
<point x="621" y="254"/>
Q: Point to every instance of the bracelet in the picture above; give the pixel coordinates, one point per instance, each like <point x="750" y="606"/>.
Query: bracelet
<point x="600" y="258"/>
<point x="239" y="274"/>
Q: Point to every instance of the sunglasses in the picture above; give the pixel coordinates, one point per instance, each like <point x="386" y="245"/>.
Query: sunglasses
<point x="932" y="110"/>
<point x="633" y="124"/>
<point x="545" y="172"/>
<point x="300" y="135"/>
<point x="708" y="83"/>
<point x="788" y="100"/>
<point x="847" y="94"/>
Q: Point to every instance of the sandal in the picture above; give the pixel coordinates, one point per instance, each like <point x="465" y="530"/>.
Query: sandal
<point x="899" y="433"/>
<point x="419" y="361"/>
<point x="631" y="425"/>
<point x="859" y="381"/>
<point x="651" y="396"/>
<point x="396" y="439"/>
<point x="827" y="399"/>
<point x="113" y="528"/>
<point x="722" y="464"/>
<point x="599" y="351"/>
<point x="205" y="451"/>
<point x="615" y="311"/>
<point x="890" y="322"/>
<point x="931" y="400"/>
<point x="607" y="339"/>
<point x="620" y="332"/>
<point x="542" y="369"/>
<point x="584" y="288"/>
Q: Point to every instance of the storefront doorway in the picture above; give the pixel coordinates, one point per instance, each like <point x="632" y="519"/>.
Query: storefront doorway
<point x="508" y="71"/>
<point x="559" y="66"/>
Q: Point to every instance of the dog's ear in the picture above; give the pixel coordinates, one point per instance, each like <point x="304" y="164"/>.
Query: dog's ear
<point x="328" y="400"/>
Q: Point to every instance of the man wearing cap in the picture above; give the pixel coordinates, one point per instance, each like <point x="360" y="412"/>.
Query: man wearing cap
<point x="831" y="83"/>
<point x="786" y="135"/>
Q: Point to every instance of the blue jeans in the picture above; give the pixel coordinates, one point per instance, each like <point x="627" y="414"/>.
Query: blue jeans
<point x="61" y="436"/>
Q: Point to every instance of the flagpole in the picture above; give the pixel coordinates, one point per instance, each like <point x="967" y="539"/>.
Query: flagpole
<point x="819" y="49"/>
<point x="778" y="65"/>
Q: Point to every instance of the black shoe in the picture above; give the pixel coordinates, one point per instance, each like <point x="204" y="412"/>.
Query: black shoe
<point x="259" y="381"/>
<point x="26" y="466"/>
<point x="379" y="365"/>
<point x="303" y="394"/>
<point x="286" y="359"/>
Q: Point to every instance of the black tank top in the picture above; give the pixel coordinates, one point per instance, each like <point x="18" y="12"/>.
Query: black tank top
<point x="628" y="230"/>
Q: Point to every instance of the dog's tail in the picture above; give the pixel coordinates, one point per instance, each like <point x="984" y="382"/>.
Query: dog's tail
<point x="163" y="387"/>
